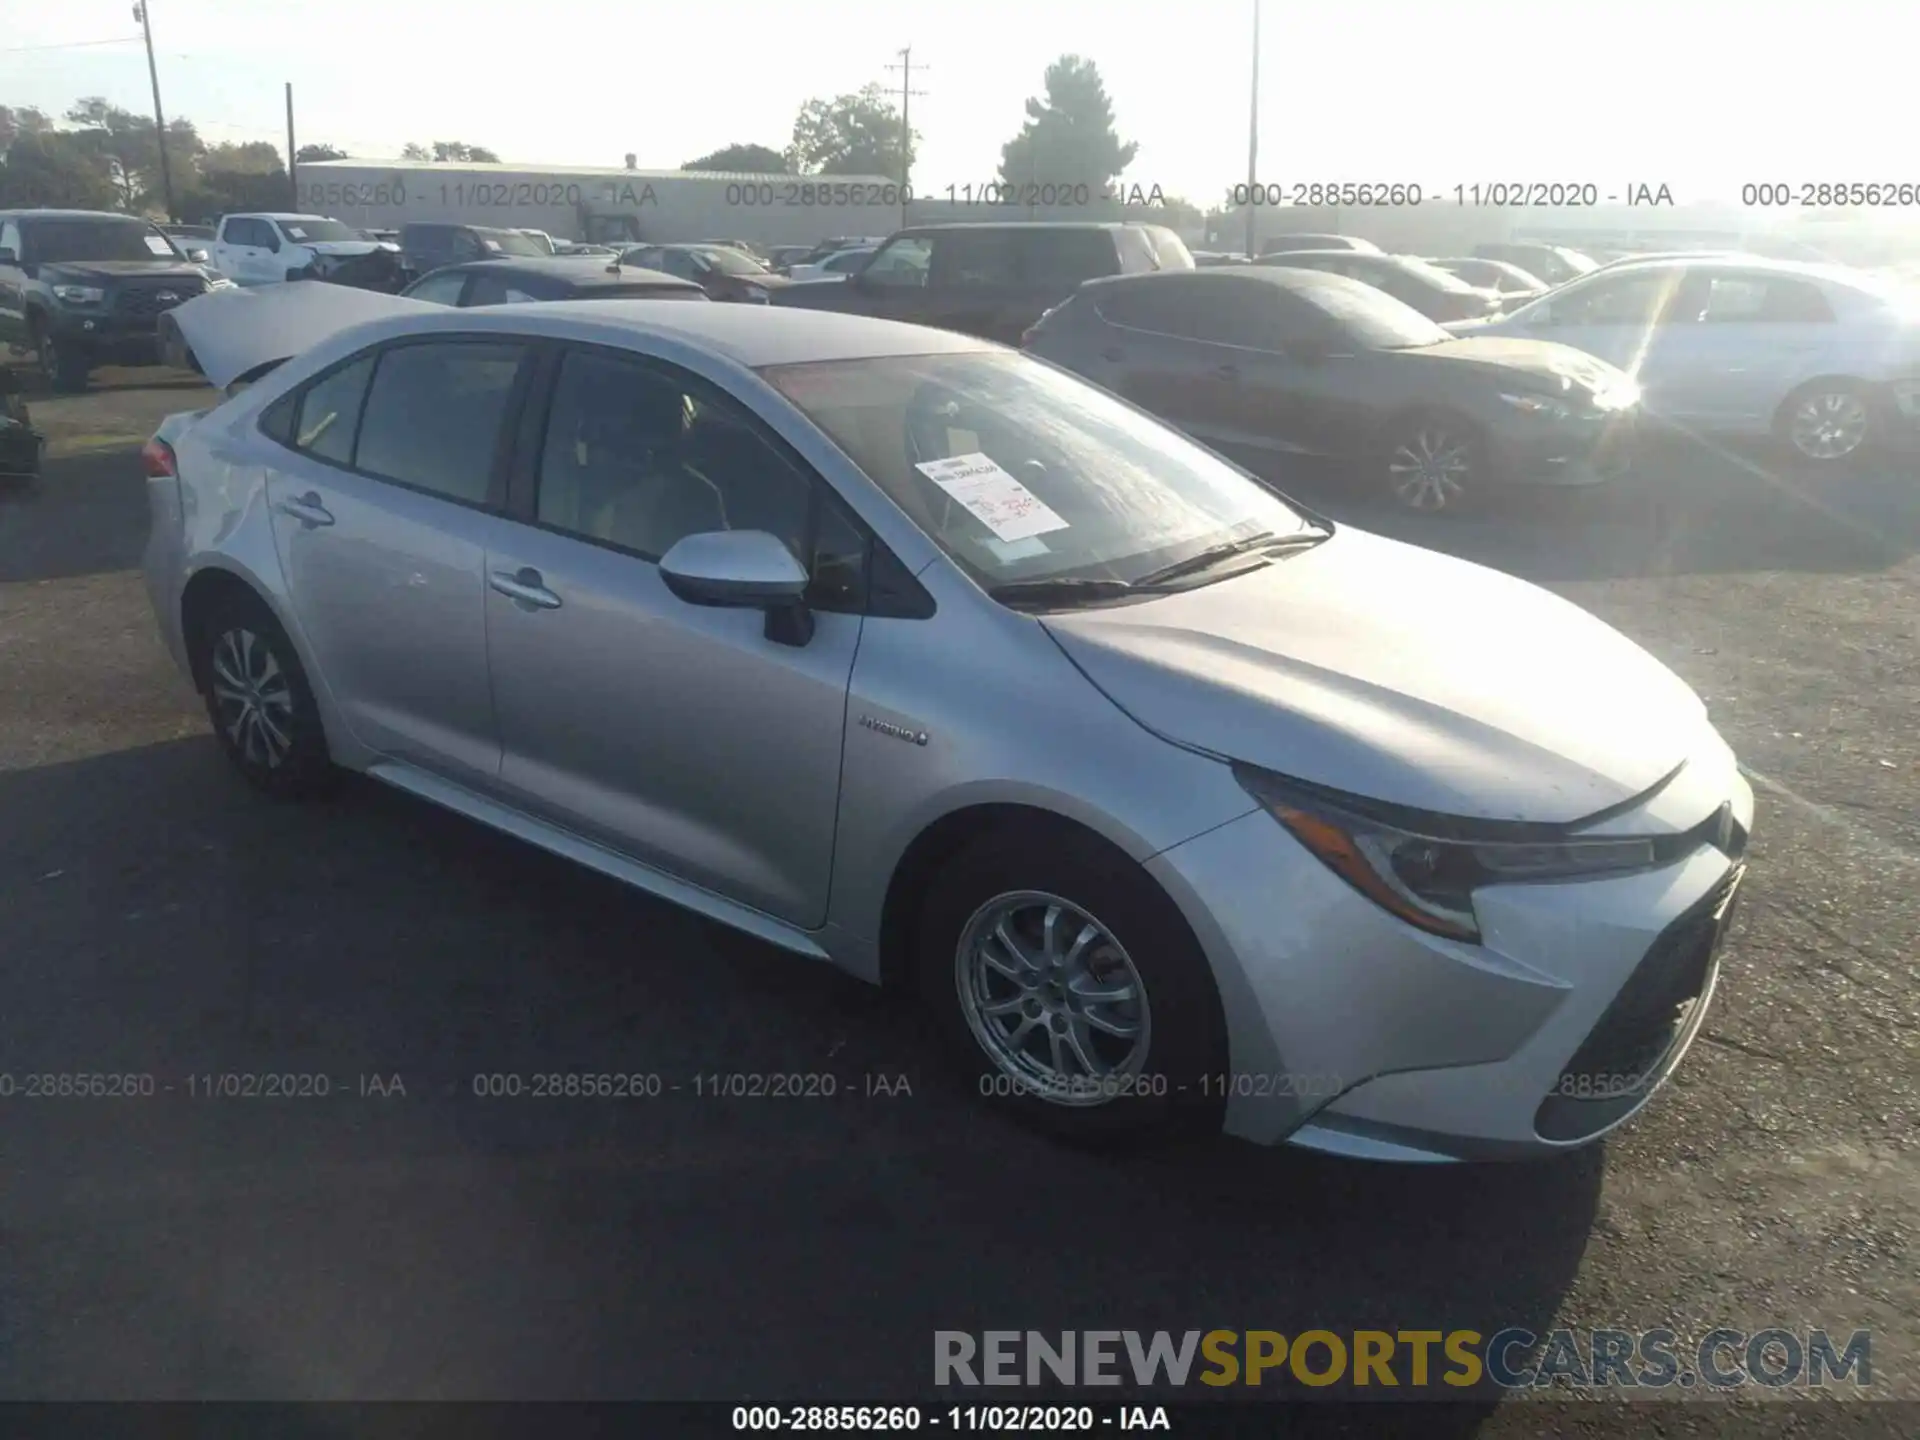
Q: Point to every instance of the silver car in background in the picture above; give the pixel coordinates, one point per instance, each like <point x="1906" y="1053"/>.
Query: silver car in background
<point x="1825" y="358"/>
<point x="906" y="652"/>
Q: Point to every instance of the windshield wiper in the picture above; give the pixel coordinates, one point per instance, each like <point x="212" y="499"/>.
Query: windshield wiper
<point x="1063" y="591"/>
<point x="1266" y="543"/>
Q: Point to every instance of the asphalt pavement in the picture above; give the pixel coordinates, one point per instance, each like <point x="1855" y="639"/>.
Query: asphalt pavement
<point x="402" y="1236"/>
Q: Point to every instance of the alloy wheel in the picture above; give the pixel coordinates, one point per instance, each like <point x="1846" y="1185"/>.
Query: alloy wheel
<point x="1052" y="997"/>
<point x="253" y="700"/>
<point x="1429" y="470"/>
<point x="1828" y="424"/>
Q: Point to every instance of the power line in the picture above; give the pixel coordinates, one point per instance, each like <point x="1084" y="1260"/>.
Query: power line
<point x="907" y="92"/>
<point x="68" y="45"/>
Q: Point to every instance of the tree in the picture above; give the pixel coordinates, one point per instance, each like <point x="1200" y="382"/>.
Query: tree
<point x="1068" y="138"/>
<point x="445" y="151"/>
<point x="21" y="120"/>
<point x="126" y="142"/>
<point x="255" y="157"/>
<point x="306" y="154"/>
<point x="53" y="168"/>
<point x="742" y="159"/>
<point x="851" y="135"/>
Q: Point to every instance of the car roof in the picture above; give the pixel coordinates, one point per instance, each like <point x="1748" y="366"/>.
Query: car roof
<point x="1279" y="276"/>
<point x="1745" y="264"/>
<point x="271" y="215"/>
<point x="36" y="213"/>
<point x="1021" y="225"/>
<point x="584" y="271"/>
<point x="1282" y="258"/>
<point x="750" y="335"/>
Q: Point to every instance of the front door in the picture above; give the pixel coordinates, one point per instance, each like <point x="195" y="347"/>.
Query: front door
<point x="676" y="733"/>
<point x="381" y="512"/>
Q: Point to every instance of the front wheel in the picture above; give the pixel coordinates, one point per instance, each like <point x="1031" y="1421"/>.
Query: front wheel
<point x="1071" y="991"/>
<point x="62" y="363"/>
<point x="1435" y="464"/>
<point x="1827" y="421"/>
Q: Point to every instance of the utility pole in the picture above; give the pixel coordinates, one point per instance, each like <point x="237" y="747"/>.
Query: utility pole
<point x="1253" y="136"/>
<point x="293" y="176"/>
<point x="907" y="92"/>
<point x="159" y="120"/>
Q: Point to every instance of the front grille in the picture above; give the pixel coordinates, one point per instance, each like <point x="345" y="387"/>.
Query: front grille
<point x="1623" y="1054"/>
<point x="150" y="297"/>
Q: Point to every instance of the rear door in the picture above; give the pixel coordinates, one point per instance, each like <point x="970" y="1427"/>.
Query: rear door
<point x="1739" y="342"/>
<point x="381" y="508"/>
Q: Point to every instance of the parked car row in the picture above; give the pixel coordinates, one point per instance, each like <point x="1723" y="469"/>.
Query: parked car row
<point x="732" y="603"/>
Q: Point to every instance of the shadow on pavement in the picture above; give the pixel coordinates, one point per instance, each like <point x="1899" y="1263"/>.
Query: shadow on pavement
<point x="164" y="920"/>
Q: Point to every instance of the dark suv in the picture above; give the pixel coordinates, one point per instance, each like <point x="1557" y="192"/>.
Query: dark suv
<point x="425" y="246"/>
<point x="82" y="288"/>
<point x="990" y="280"/>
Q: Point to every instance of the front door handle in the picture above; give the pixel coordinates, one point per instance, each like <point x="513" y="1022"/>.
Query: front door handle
<point x="307" y="510"/>
<point x="525" y="588"/>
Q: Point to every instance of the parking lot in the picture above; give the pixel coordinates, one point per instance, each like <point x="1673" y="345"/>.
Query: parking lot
<point x="403" y="1237"/>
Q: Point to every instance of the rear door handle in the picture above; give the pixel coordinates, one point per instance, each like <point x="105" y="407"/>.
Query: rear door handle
<point x="525" y="588"/>
<point x="307" y="510"/>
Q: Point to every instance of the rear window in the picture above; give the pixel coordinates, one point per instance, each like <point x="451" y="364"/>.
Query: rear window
<point x="433" y="416"/>
<point x="1066" y="257"/>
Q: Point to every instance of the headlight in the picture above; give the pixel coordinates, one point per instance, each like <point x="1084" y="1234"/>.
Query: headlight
<point x="1541" y="405"/>
<point x="79" y="294"/>
<point x="1426" y="879"/>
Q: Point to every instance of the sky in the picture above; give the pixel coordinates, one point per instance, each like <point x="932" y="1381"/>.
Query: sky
<point x="1695" y="94"/>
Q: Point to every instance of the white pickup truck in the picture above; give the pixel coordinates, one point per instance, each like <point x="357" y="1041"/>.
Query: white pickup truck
<point x="266" y="249"/>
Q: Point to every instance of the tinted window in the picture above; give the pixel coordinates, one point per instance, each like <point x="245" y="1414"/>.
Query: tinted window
<point x="278" y="419"/>
<point x="439" y="289"/>
<point x="501" y="290"/>
<point x="641" y="456"/>
<point x="304" y="231"/>
<point x="1626" y="300"/>
<point x="10" y="237"/>
<point x="433" y="416"/>
<point x="1066" y="257"/>
<point x="971" y="258"/>
<point x="1224" y="312"/>
<point x="329" y="411"/>
<point x="1368" y="318"/>
<point x="1764" y="300"/>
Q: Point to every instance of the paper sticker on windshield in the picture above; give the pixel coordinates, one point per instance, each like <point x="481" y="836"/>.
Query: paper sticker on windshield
<point x="992" y="496"/>
<point x="294" y="232"/>
<point x="1008" y="551"/>
<point x="158" y="245"/>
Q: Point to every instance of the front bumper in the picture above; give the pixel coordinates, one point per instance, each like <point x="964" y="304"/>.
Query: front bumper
<point x="1352" y="1032"/>
<point x="1527" y="450"/>
<point x="106" y="336"/>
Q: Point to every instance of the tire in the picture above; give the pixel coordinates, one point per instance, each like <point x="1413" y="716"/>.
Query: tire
<point x="274" y="737"/>
<point x="1828" y="422"/>
<point x="66" y="368"/>
<point x="1154" y="1087"/>
<point x="1434" y="464"/>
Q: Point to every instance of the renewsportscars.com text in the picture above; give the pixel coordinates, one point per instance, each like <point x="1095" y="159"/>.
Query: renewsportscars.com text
<point x="1514" y="1358"/>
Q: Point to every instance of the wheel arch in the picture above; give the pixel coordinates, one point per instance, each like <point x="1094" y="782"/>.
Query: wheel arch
<point x="944" y="837"/>
<point x="200" y="601"/>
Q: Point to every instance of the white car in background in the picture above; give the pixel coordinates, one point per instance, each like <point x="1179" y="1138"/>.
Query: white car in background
<point x="836" y="266"/>
<point x="1824" y="357"/>
<point x="267" y="249"/>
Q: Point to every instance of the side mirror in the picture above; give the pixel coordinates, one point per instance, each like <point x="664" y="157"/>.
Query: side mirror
<point x="198" y="257"/>
<point x="7" y="257"/>
<point x="742" y="570"/>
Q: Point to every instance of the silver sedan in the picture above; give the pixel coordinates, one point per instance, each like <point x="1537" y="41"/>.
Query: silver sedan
<point x="903" y="651"/>
<point x="1825" y="358"/>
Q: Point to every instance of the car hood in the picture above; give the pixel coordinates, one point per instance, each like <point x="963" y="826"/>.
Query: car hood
<point x="154" y="269"/>
<point x="232" y="332"/>
<point x="1560" y="366"/>
<point x="1401" y="675"/>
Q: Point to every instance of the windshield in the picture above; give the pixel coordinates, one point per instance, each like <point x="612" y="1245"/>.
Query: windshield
<point x="56" y="240"/>
<point x="1433" y="275"/>
<point x="1022" y="473"/>
<point x="730" y="262"/>
<point x="1373" y="319"/>
<point x="509" y="242"/>
<point x="303" y="230"/>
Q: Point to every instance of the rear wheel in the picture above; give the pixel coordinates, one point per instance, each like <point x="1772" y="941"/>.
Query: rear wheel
<point x="1070" y="989"/>
<point x="1827" y="421"/>
<point x="258" y="699"/>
